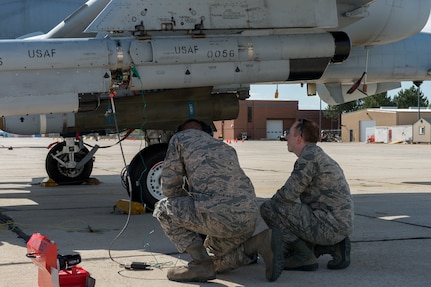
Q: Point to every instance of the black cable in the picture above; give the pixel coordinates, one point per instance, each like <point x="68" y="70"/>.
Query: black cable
<point x="129" y="131"/>
<point x="4" y="219"/>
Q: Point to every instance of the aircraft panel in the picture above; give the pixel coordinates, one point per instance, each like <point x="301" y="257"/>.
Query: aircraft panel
<point x="170" y="15"/>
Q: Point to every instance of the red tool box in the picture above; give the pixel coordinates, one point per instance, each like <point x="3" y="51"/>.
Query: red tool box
<point x="56" y="270"/>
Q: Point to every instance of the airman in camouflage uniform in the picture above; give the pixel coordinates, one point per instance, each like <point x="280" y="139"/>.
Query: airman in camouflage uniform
<point x="207" y="193"/>
<point x="314" y="208"/>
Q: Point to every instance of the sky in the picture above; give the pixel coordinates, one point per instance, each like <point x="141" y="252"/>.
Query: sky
<point x="292" y="92"/>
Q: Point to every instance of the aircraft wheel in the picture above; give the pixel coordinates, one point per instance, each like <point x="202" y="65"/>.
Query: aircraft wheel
<point x="145" y="172"/>
<point x="62" y="174"/>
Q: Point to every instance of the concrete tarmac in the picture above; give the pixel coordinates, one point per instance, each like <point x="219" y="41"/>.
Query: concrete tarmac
<point x="391" y="187"/>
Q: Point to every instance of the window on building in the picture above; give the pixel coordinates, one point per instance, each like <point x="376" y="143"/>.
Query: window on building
<point x="249" y="115"/>
<point x="421" y="130"/>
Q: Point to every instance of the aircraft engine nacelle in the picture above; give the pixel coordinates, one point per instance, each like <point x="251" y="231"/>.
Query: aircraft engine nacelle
<point x="383" y="22"/>
<point x="161" y="110"/>
<point x="386" y="66"/>
<point x="49" y="74"/>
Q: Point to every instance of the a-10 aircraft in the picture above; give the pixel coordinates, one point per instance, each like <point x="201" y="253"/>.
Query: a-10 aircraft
<point x="150" y="64"/>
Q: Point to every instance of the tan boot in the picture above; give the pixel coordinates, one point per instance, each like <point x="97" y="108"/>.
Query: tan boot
<point x="269" y="245"/>
<point x="200" y="269"/>
<point x="301" y="257"/>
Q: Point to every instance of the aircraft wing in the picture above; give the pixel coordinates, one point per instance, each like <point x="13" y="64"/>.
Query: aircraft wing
<point x="152" y="45"/>
<point x="367" y="22"/>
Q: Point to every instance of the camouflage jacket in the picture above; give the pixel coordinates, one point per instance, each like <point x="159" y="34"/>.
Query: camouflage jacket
<point x="318" y="181"/>
<point x="207" y="169"/>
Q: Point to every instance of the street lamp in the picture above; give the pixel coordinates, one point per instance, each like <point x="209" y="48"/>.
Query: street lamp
<point x="418" y="85"/>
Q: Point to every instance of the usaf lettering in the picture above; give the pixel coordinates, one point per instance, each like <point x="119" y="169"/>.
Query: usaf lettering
<point x="186" y="50"/>
<point x="39" y="53"/>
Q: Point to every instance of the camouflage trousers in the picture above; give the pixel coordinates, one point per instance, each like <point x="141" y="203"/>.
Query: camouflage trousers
<point x="225" y="232"/>
<point x="297" y="220"/>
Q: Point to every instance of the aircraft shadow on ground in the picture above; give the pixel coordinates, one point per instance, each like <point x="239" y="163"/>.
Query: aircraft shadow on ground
<point x="82" y="217"/>
<point x="85" y="214"/>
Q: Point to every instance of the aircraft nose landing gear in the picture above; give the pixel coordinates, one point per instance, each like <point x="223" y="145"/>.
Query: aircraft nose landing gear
<point x="69" y="162"/>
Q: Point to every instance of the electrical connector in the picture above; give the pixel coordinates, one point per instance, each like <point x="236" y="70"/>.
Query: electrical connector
<point x="137" y="266"/>
<point x="135" y="72"/>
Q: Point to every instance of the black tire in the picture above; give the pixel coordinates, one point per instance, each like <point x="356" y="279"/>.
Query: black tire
<point x="145" y="171"/>
<point x="67" y="176"/>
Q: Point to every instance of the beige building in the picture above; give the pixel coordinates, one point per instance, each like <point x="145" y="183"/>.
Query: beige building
<point x="422" y="131"/>
<point x="355" y="124"/>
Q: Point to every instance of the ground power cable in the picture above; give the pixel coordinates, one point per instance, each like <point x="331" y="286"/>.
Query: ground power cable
<point x="132" y="265"/>
<point x="126" y="224"/>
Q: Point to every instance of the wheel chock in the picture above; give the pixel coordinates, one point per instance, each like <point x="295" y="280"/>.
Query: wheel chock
<point x="92" y="181"/>
<point x="48" y="182"/>
<point x="123" y="205"/>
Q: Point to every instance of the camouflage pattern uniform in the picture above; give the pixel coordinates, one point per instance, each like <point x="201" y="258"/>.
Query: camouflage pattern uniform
<point x="324" y="212"/>
<point x="207" y="193"/>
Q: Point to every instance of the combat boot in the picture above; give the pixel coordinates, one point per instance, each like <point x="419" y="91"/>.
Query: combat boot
<point x="269" y="245"/>
<point x="340" y="253"/>
<point x="300" y="258"/>
<point x="200" y="269"/>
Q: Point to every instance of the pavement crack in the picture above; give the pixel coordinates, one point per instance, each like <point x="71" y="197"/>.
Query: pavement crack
<point x="392" y="239"/>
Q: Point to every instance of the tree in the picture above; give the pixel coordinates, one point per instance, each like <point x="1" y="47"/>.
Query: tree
<point x="409" y="98"/>
<point x="404" y="99"/>
<point x="377" y="101"/>
<point x="333" y="112"/>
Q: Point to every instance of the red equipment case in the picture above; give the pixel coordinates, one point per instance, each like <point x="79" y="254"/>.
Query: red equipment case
<point x="43" y="253"/>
